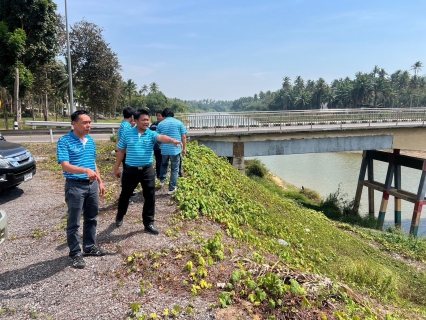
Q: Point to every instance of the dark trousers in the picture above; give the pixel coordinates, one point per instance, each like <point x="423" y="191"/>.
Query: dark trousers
<point x="81" y="197"/>
<point x="157" y="154"/>
<point x="180" y="166"/>
<point x="130" y="178"/>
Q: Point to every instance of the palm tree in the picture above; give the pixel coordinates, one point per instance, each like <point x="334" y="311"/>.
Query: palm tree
<point x="303" y="101"/>
<point x="362" y="89"/>
<point x="299" y="84"/>
<point x="421" y="85"/>
<point x="153" y="88"/>
<point x="130" y="89"/>
<point x="143" y="90"/>
<point x="378" y="78"/>
<point x="417" y="67"/>
<point x="343" y="91"/>
<point x="287" y="83"/>
<point x="320" y="89"/>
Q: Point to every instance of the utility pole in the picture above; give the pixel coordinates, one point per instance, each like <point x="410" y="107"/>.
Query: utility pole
<point x="69" y="62"/>
<point x="16" y="101"/>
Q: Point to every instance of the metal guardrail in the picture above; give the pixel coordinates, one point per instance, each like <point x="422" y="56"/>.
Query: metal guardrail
<point x="68" y="124"/>
<point x="246" y="121"/>
<point x="59" y="124"/>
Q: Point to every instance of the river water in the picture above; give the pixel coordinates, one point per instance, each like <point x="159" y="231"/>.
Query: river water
<point x="326" y="172"/>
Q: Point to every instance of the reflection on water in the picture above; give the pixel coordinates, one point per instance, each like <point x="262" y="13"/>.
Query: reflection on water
<point x="324" y="172"/>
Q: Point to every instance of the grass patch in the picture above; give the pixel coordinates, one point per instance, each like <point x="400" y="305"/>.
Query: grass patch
<point x="259" y="217"/>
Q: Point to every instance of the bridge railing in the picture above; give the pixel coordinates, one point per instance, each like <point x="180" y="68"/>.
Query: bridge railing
<point x="246" y="121"/>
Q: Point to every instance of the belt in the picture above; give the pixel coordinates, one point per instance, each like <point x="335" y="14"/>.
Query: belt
<point x="139" y="168"/>
<point x="81" y="180"/>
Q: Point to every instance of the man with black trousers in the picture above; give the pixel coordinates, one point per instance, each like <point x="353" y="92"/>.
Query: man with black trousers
<point x="138" y="144"/>
<point x="157" y="149"/>
<point x="76" y="152"/>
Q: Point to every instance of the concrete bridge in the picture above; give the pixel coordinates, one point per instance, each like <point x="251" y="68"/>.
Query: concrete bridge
<point x="248" y="134"/>
<point x="261" y="134"/>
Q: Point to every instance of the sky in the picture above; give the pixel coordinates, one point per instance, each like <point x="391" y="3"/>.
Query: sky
<point x="224" y="50"/>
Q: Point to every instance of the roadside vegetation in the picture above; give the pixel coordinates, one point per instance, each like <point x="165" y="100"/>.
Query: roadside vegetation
<point x="336" y="206"/>
<point x="279" y="258"/>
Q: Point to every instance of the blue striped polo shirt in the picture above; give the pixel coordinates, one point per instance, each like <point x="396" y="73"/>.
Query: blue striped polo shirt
<point x="125" y="125"/>
<point x="139" y="146"/>
<point x="174" y="129"/>
<point x="72" y="150"/>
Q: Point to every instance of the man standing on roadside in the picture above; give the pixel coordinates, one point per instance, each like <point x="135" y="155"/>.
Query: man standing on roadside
<point x="157" y="149"/>
<point x="175" y="129"/>
<point x="139" y="142"/>
<point x="76" y="153"/>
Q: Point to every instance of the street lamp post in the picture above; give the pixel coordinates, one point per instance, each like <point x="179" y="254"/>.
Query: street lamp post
<point x="69" y="62"/>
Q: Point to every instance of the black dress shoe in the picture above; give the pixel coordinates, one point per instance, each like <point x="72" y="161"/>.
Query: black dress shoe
<point x="118" y="222"/>
<point x="151" y="229"/>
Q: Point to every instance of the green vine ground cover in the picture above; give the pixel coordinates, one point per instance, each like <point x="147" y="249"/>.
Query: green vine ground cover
<point x="256" y="216"/>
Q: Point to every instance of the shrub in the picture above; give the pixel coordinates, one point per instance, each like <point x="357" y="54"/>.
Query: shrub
<point x="256" y="168"/>
<point x="311" y="194"/>
<point x="337" y="207"/>
<point x="113" y="138"/>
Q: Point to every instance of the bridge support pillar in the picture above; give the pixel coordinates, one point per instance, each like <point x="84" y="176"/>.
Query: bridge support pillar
<point x="238" y="157"/>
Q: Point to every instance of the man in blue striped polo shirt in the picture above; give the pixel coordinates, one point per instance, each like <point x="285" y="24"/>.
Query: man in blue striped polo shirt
<point x="175" y="129"/>
<point x="126" y="124"/>
<point x="76" y="153"/>
<point x="138" y="144"/>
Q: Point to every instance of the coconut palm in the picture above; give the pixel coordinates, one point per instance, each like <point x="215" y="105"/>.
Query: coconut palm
<point x="299" y="85"/>
<point x="153" y="88"/>
<point x="343" y="92"/>
<point x="417" y="67"/>
<point x="287" y="83"/>
<point x="362" y="88"/>
<point x="378" y="81"/>
<point x="129" y="89"/>
<point x="320" y="90"/>
<point x="143" y="90"/>
<point x="303" y="101"/>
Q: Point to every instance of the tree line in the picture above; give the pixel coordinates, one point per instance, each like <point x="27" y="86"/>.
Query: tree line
<point x="377" y="88"/>
<point x="34" y="66"/>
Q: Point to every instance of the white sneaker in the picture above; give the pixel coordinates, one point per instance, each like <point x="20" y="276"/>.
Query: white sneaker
<point x="172" y="191"/>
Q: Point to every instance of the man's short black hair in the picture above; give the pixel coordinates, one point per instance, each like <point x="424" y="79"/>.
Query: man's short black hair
<point x="128" y="112"/>
<point x="167" y="113"/>
<point x="140" y="112"/>
<point x="76" y="115"/>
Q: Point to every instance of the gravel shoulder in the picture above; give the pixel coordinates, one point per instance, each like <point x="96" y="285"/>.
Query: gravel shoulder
<point x="36" y="279"/>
